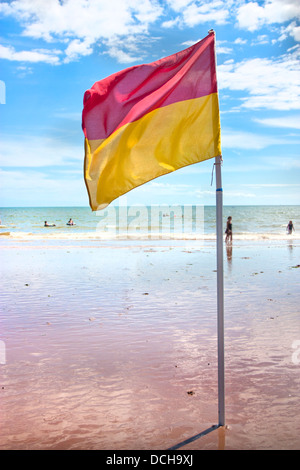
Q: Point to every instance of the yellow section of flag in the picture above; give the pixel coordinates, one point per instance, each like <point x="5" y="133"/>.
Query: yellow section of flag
<point x="162" y="141"/>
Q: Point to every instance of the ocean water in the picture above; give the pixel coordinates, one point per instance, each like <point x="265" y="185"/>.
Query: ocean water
<point x="138" y="222"/>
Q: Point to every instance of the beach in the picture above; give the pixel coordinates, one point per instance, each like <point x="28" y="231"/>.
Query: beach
<point x="113" y="344"/>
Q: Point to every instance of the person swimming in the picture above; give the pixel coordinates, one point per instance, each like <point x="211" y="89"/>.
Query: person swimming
<point x="48" y="225"/>
<point x="70" y="222"/>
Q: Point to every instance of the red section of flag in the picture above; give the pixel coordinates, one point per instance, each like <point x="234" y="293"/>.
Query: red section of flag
<point x="132" y="93"/>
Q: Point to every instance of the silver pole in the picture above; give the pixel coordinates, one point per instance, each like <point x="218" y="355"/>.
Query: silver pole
<point x="220" y="291"/>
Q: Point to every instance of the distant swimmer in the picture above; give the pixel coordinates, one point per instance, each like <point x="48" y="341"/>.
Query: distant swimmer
<point x="48" y="225"/>
<point x="70" y="222"/>
<point x="290" y="227"/>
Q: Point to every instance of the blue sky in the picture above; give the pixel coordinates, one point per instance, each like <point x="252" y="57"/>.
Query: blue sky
<point x="51" y="52"/>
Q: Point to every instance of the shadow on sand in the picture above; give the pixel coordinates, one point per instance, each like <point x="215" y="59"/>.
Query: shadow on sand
<point x="221" y="437"/>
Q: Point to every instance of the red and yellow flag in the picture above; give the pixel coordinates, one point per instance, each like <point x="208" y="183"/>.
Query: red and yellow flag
<point x="149" y="120"/>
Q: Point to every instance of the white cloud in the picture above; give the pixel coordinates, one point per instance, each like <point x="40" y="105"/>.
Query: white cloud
<point x="81" y="18"/>
<point x="191" y="13"/>
<point x="121" y="56"/>
<point x="295" y="31"/>
<point x="24" y="70"/>
<point x="80" y="23"/>
<point x="260" y="39"/>
<point x="291" y="30"/>
<point x="250" y="141"/>
<point x="238" y="194"/>
<point x="252" y="16"/>
<point x="272" y="185"/>
<point x="200" y="193"/>
<point x="77" y="48"/>
<point x="284" y="163"/>
<point x="171" y="23"/>
<point x="179" y="5"/>
<point x="167" y="189"/>
<point x="195" y="14"/>
<point x="240" y="41"/>
<point x="270" y="83"/>
<point x="63" y="114"/>
<point x="223" y="50"/>
<point x="292" y="122"/>
<point x="30" y="151"/>
<point x="220" y="48"/>
<point x="189" y="43"/>
<point x="9" y="53"/>
<point x="126" y="49"/>
<point x="32" y="187"/>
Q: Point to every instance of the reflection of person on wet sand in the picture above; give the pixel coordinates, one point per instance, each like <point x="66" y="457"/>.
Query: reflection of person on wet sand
<point x="228" y="230"/>
<point x="290" y="227"/>
<point x="229" y="256"/>
<point x="229" y="252"/>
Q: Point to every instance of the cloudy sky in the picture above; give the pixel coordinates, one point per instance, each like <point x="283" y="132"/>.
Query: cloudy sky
<point x="51" y="52"/>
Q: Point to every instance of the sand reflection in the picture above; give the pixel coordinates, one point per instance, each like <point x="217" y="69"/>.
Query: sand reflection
<point x="114" y="348"/>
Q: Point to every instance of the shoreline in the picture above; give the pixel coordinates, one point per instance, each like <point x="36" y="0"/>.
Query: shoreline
<point x="145" y="237"/>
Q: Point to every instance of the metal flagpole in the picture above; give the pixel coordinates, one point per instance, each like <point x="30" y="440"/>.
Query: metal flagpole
<point x="220" y="291"/>
<point x="220" y="283"/>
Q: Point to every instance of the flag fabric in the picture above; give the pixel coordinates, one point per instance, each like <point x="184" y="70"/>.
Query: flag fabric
<point x="149" y="120"/>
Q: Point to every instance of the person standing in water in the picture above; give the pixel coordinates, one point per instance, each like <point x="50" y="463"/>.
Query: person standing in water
<point x="290" y="227"/>
<point x="228" y="230"/>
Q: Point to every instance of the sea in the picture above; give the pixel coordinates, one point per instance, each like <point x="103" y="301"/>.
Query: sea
<point x="196" y="222"/>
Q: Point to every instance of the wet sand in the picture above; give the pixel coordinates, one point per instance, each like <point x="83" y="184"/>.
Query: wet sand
<point x="114" y="346"/>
